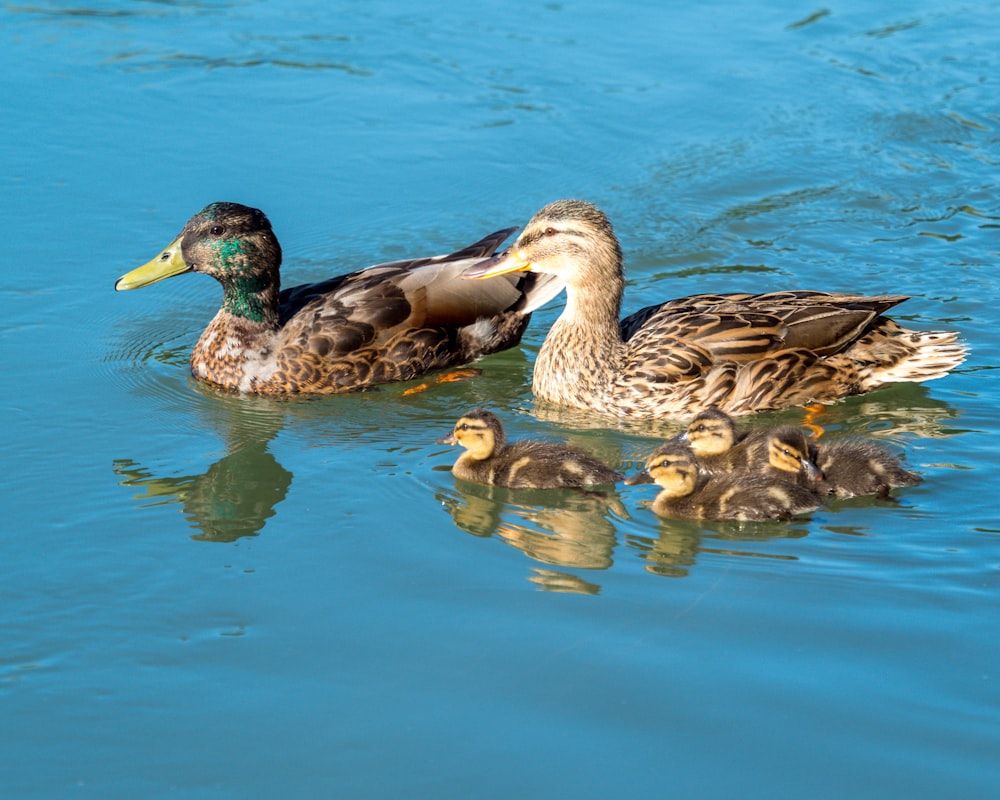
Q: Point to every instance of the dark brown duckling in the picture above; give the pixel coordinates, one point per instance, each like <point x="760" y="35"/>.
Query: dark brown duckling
<point x="740" y="496"/>
<point x="852" y="468"/>
<point x="525" y="464"/>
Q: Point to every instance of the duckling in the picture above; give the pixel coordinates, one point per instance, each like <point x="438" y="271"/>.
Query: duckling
<point x="737" y="496"/>
<point x="388" y="322"/>
<point x="786" y="454"/>
<point x="716" y="443"/>
<point x="741" y="352"/>
<point x="846" y="468"/>
<point x="853" y="468"/>
<point x="524" y="464"/>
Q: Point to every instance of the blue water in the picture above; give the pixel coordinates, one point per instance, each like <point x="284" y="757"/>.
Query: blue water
<point x="212" y="596"/>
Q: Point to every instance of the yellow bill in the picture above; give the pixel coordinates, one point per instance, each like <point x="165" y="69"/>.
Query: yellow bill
<point x="500" y="264"/>
<point x="168" y="263"/>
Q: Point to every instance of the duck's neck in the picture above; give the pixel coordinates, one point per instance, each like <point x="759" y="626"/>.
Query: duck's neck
<point x="254" y="299"/>
<point x="243" y="331"/>
<point x="584" y="349"/>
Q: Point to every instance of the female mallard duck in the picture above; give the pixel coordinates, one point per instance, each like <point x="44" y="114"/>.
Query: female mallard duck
<point x="687" y="494"/>
<point x="741" y="352"/>
<point x="853" y="468"/>
<point x="521" y="465"/>
<point x="389" y="322"/>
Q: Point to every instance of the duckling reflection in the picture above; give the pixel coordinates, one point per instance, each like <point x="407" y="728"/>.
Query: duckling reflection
<point x="525" y="464"/>
<point x="681" y="543"/>
<point x="565" y="528"/>
<point x="563" y="582"/>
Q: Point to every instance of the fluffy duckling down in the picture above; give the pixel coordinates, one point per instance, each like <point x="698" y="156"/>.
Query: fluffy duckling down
<point x="852" y="468"/>
<point x="845" y="468"/>
<point x="686" y="493"/>
<point x="524" y="464"/>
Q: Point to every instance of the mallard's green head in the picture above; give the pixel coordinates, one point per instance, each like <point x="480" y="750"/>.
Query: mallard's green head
<point x="232" y="243"/>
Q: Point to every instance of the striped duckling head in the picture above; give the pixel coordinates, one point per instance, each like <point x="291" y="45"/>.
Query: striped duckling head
<point x="710" y="433"/>
<point x="479" y="431"/>
<point x="788" y="451"/>
<point x="672" y="467"/>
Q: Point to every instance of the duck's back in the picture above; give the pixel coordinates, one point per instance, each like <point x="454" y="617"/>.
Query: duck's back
<point x="394" y="322"/>
<point x="746" y="353"/>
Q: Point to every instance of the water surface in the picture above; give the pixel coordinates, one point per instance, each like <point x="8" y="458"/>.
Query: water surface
<point x="214" y="596"/>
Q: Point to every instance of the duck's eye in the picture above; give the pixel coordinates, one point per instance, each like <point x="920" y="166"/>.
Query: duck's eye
<point x="462" y="427"/>
<point x="550" y="231"/>
<point x="698" y="428"/>
<point x="217" y="230"/>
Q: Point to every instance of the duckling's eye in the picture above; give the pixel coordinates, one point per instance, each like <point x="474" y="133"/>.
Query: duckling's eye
<point x="698" y="428"/>
<point x="462" y="427"/>
<point x="217" y="230"/>
<point x="550" y="231"/>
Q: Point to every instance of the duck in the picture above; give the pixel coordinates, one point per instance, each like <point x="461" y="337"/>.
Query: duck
<point x="853" y="468"/>
<point x="686" y="493"/>
<point x="524" y="464"/>
<point x="741" y="352"/>
<point x="388" y="322"/>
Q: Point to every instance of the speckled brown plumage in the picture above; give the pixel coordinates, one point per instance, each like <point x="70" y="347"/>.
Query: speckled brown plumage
<point x="741" y="352"/>
<point x="687" y="493"/>
<point x="389" y="322"/>
<point x="524" y="464"/>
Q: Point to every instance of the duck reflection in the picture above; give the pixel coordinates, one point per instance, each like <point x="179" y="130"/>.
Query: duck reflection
<point x="237" y="494"/>
<point x="233" y="498"/>
<point x="565" y="528"/>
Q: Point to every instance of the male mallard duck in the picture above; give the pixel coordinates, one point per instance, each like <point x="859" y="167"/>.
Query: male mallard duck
<point x="741" y="352"/>
<point x="737" y="496"/>
<point x="852" y="468"/>
<point x="521" y="465"/>
<point x="389" y="322"/>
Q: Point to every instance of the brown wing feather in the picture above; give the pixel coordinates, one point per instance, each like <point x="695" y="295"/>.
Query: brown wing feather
<point x="743" y="327"/>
